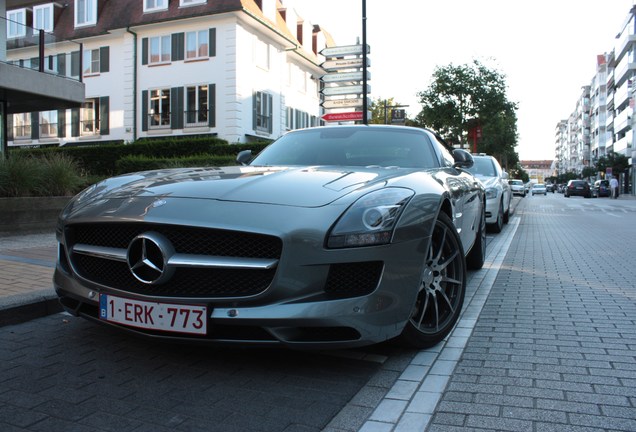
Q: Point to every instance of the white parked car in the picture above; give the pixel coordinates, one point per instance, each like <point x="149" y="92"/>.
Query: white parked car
<point x="539" y="189"/>
<point x="518" y="188"/>
<point x="498" y="191"/>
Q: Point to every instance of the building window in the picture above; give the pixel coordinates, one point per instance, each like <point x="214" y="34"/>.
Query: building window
<point x="43" y="17"/>
<point x="263" y="112"/>
<point x="16" y="24"/>
<point x="154" y="5"/>
<point x="197" y="44"/>
<point x="89" y="117"/>
<point x="22" y="126"/>
<point x="85" y="12"/>
<point x="159" y="109"/>
<point x="159" y="49"/>
<point x="191" y="2"/>
<point x="196" y="106"/>
<point x="261" y="54"/>
<point x="91" y="62"/>
<point x="48" y="124"/>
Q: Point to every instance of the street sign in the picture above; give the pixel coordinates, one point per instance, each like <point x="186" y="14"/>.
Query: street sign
<point x="344" y="116"/>
<point x="341" y="103"/>
<point x="343" y="50"/>
<point x="338" y="64"/>
<point x="344" y="90"/>
<point x="344" y="76"/>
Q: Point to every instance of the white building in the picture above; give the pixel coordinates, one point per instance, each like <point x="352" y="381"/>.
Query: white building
<point x="236" y="69"/>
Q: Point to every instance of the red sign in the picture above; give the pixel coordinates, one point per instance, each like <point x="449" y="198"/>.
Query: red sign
<point x="344" y="116"/>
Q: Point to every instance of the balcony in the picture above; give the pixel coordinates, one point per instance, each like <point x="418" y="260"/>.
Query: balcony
<point x="35" y="70"/>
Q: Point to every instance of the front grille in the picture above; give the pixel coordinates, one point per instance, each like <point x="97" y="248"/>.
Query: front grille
<point x="353" y="279"/>
<point x="186" y="281"/>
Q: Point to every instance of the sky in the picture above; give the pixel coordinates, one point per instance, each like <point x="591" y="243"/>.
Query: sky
<point x="546" y="49"/>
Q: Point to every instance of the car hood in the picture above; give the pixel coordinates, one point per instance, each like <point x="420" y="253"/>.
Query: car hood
<point x="303" y="187"/>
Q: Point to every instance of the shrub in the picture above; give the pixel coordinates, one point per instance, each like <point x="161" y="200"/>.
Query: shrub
<point x="19" y="176"/>
<point x="50" y="175"/>
<point x="62" y="176"/>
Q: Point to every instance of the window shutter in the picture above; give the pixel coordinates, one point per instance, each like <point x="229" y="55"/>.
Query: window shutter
<point x="254" y="112"/>
<point x="104" y="59"/>
<point x="270" y="113"/>
<point x="212" y="43"/>
<point x="178" y="47"/>
<point x="212" y="105"/>
<point x="75" y="66"/>
<point x="61" y="123"/>
<point x="144" y="51"/>
<point x="35" y="125"/>
<point x="144" y="110"/>
<point x="104" y="107"/>
<point x="61" y="64"/>
<point x="75" y="122"/>
<point x="9" y="128"/>
<point x="176" y="108"/>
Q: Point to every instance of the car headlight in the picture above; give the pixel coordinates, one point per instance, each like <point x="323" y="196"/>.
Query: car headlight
<point x="491" y="193"/>
<point x="370" y="220"/>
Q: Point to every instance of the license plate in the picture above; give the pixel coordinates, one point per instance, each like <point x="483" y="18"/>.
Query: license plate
<point x="179" y="318"/>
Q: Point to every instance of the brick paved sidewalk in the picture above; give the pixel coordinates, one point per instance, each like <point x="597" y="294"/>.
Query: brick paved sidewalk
<point x="554" y="348"/>
<point x="26" y="272"/>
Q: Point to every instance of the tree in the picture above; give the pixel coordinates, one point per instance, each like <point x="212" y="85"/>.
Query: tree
<point x="618" y="162"/>
<point x="462" y="100"/>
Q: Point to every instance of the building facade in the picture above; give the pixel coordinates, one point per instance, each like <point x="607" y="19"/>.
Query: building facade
<point x="39" y="86"/>
<point x="237" y="69"/>
<point x="611" y="107"/>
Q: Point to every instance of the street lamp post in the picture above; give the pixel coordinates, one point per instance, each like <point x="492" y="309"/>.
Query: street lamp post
<point x="365" y="99"/>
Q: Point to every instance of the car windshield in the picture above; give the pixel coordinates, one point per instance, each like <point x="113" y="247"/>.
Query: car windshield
<point x="351" y="146"/>
<point x="516" y="182"/>
<point x="483" y="167"/>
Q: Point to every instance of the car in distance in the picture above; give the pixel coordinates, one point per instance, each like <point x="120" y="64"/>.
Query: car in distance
<point x="577" y="188"/>
<point x="517" y="187"/>
<point x="498" y="191"/>
<point x="539" y="189"/>
<point x="601" y="188"/>
<point x="330" y="237"/>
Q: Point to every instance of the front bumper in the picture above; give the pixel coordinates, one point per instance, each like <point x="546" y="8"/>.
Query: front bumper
<point x="295" y="308"/>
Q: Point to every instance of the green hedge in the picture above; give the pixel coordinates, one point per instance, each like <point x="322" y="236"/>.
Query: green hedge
<point x="136" y="163"/>
<point x="114" y="158"/>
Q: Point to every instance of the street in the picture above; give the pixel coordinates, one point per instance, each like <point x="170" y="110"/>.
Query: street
<point x="548" y="336"/>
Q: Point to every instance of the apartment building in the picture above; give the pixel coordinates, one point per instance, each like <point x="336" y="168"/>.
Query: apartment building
<point x="237" y="69"/>
<point x="24" y="89"/>
<point x="612" y="96"/>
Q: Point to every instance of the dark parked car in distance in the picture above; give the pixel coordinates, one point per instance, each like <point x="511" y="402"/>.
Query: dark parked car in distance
<point x="601" y="188"/>
<point x="578" y="188"/>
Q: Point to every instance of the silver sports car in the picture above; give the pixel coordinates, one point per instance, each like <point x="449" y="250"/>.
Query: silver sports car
<point x="330" y="237"/>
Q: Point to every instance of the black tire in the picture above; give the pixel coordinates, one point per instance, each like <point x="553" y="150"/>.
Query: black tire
<point x="477" y="255"/>
<point x="442" y="289"/>
<point x="498" y="225"/>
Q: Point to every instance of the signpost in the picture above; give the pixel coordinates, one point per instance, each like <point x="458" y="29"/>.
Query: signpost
<point x="344" y="50"/>
<point x="342" y="76"/>
<point x="347" y="65"/>
<point x="341" y="103"/>
<point x="355" y="89"/>
<point x="340" y="64"/>
<point x="343" y="116"/>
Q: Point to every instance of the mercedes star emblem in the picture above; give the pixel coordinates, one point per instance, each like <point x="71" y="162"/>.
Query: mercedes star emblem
<point x="148" y="256"/>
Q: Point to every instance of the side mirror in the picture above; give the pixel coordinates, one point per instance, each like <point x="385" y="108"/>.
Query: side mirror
<point x="244" y="157"/>
<point x="463" y="159"/>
